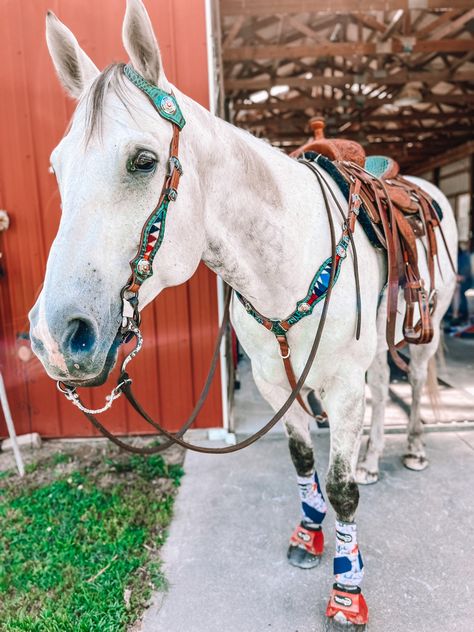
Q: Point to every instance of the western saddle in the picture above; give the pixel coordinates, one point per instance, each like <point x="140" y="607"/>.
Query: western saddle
<point x="400" y="213"/>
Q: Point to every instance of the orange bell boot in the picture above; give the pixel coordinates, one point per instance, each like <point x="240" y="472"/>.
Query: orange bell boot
<point x="311" y="539"/>
<point x="347" y="605"/>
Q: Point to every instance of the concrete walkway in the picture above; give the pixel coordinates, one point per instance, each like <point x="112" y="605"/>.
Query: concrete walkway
<point x="225" y="556"/>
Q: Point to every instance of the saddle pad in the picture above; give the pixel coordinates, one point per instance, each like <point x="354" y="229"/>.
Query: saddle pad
<point x="381" y="166"/>
<point x="332" y="170"/>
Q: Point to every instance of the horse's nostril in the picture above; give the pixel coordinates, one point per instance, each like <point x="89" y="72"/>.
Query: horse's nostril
<point x="81" y="336"/>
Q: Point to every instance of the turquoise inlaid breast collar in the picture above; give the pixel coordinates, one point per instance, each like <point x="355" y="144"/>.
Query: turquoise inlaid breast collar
<point x="320" y="283"/>
<point x="141" y="269"/>
<point x="154" y="228"/>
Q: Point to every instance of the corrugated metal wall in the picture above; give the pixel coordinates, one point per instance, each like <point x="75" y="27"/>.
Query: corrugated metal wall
<point x="180" y="328"/>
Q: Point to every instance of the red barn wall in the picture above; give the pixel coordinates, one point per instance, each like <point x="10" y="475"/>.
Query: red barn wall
<point x="180" y="327"/>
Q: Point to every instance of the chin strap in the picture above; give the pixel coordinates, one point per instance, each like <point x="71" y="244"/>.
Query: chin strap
<point x="128" y="331"/>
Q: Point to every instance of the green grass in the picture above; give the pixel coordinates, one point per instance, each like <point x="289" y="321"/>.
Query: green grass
<point x="72" y="544"/>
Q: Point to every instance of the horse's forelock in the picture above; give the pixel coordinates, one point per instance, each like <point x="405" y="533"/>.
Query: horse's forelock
<point x="111" y="77"/>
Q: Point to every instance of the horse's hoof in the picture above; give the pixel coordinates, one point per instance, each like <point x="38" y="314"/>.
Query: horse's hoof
<point x="301" y="558"/>
<point x="346" y="610"/>
<point x="364" y="477"/>
<point x="333" y="625"/>
<point x="306" y="546"/>
<point x="415" y="462"/>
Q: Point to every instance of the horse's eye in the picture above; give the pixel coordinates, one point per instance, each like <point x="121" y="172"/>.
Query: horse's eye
<point x="144" y="161"/>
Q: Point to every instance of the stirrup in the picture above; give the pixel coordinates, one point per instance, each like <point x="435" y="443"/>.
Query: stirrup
<point x="310" y="539"/>
<point x="346" y="605"/>
<point x="422" y="332"/>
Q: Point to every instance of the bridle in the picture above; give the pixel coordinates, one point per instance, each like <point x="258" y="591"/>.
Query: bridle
<point x="151" y="237"/>
<point x="141" y="269"/>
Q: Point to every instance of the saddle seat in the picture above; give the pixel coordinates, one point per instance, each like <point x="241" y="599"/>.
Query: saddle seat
<point x="382" y="167"/>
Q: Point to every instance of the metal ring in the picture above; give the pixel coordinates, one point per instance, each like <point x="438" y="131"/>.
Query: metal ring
<point x="285" y="357"/>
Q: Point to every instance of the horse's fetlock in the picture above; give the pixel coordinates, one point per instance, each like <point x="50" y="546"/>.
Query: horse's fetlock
<point x="342" y="489"/>
<point x="301" y="454"/>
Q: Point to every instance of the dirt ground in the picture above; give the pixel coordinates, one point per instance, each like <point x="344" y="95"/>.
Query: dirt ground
<point x="90" y="453"/>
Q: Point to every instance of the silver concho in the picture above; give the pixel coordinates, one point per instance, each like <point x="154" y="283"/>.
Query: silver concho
<point x="143" y="266"/>
<point x="168" y="105"/>
<point x="304" y="307"/>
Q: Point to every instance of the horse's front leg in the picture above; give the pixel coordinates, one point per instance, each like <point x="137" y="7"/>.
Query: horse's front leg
<point x="307" y="541"/>
<point x="345" y="405"/>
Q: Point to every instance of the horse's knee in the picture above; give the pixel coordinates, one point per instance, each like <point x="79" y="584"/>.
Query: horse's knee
<point x="301" y="452"/>
<point x="342" y="489"/>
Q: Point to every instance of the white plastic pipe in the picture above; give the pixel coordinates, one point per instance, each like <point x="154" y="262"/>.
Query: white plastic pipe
<point x="11" y="427"/>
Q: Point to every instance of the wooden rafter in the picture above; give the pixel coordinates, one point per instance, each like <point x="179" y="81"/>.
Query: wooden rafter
<point x="269" y="7"/>
<point x="351" y="62"/>
<point x="380" y="78"/>
<point x="326" y="48"/>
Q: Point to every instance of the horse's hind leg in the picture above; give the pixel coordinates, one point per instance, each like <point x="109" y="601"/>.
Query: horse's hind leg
<point x="378" y="377"/>
<point x="345" y="406"/>
<point x="420" y="356"/>
<point x="307" y="541"/>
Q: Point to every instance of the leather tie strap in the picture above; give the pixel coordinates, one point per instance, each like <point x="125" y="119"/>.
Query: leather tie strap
<point x="285" y="353"/>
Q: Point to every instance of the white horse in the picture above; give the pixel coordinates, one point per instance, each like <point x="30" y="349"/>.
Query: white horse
<point x="255" y="217"/>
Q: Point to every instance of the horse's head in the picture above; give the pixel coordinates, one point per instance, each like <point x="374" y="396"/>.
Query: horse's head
<point x="110" y="168"/>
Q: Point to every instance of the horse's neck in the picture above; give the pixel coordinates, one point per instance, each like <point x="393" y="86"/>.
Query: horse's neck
<point x="265" y="222"/>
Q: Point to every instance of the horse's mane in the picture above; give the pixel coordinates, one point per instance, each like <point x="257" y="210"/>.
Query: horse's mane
<point x="111" y="77"/>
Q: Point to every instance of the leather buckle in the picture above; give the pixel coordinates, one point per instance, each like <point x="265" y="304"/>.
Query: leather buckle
<point x="174" y="165"/>
<point x="171" y="194"/>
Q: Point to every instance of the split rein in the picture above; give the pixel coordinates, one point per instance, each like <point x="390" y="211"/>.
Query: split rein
<point x="141" y="266"/>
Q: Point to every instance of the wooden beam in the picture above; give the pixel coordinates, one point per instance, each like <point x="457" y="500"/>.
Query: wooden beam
<point x="326" y="48"/>
<point x="271" y="7"/>
<point x="365" y="132"/>
<point x="397" y="117"/>
<point x="394" y="23"/>
<point x="451" y="155"/>
<point x="303" y="28"/>
<point x="378" y="77"/>
<point x="454" y="26"/>
<point x="234" y="29"/>
<point x="370" y="22"/>
<point x="303" y="103"/>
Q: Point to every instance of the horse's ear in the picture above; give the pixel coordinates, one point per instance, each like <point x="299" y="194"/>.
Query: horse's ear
<point x="75" y="69"/>
<point x="140" y="43"/>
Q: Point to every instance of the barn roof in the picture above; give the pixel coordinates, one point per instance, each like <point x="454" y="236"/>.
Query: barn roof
<point x="396" y="75"/>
